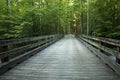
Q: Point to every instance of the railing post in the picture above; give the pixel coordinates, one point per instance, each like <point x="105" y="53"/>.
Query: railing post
<point x="101" y="44"/>
<point x="118" y="58"/>
<point x="56" y="37"/>
<point x="53" y="38"/>
<point x="46" y="40"/>
<point x="50" y="40"/>
<point x="4" y="59"/>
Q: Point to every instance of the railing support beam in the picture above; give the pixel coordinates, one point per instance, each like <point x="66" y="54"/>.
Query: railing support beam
<point x="118" y="58"/>
<point x="6" y="58"/>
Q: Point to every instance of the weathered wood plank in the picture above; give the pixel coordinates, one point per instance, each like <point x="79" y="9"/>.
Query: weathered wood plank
<point x="115" y="66"/>
<point x="67" y="59"/>
<point x="21" y="40"/>
<point x="105" y="40"/>
<point x="20" y="49"/>
<point x="4" y="66"/>
<point x="106" y="49"/>
<point x="111" y="51"/>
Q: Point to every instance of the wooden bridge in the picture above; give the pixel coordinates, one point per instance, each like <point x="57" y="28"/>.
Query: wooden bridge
<point x="69" y="58"/>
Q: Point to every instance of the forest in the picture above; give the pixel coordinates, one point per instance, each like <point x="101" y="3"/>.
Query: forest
<point x="28" y="18"/>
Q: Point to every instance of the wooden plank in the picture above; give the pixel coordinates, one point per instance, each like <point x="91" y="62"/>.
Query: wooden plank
<point x="20" y="49"/>
<point x="67" y="59"/>
<point x="111" y="51"/>
<point x="21" y="40"/>
<point x="105" y="40"/>
<point x="45" y="40"/>
<point x="115" y="66"/>
<point x="13" y="62"/>
<point x="106" y="49"/>
<point x="104" y="58"/>
<point x="26" y="47"/>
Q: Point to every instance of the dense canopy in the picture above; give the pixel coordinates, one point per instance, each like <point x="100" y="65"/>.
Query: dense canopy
<point x="26" y="18"/>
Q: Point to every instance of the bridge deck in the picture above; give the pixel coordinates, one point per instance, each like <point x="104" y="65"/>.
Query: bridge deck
<point x="67" y="59"/>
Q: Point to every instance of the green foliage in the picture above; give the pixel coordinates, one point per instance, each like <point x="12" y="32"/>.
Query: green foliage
<point x="107" y="17"/>
<point x="25" y="18"/>
<point x="104" y="17"/>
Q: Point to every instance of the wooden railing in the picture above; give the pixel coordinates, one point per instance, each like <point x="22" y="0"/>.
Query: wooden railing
<point x="103" y="48"/>
<point x="14" y="51"/>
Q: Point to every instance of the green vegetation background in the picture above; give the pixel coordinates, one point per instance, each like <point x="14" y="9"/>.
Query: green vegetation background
<point x="26" y="18"/>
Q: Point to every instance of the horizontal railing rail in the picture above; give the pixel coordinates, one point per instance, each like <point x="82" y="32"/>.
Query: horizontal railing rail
<point x="107" y="47"/>
<point x="104" y="40"/>
<point x="14" y="51"/>
<point x="100" y="42"/>
<point x="111" y="51"/>
<point x="21" y="40"/>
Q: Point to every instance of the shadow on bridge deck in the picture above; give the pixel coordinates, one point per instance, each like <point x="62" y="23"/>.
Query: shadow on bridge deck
<point x="67" y="59"/>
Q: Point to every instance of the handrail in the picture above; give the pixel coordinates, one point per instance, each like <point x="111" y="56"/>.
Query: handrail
<point x="28" y="47"/>
<point x="100" y="44"/>
<point x="105" y="40"/>
<point x="21" y="40"/>
<point x="95" y="46"/>
<point x="104" y="48"/>
<point x="19" y="49"/>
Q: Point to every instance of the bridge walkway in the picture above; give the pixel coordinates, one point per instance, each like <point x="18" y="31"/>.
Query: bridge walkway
<point x="67" y="59"/>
